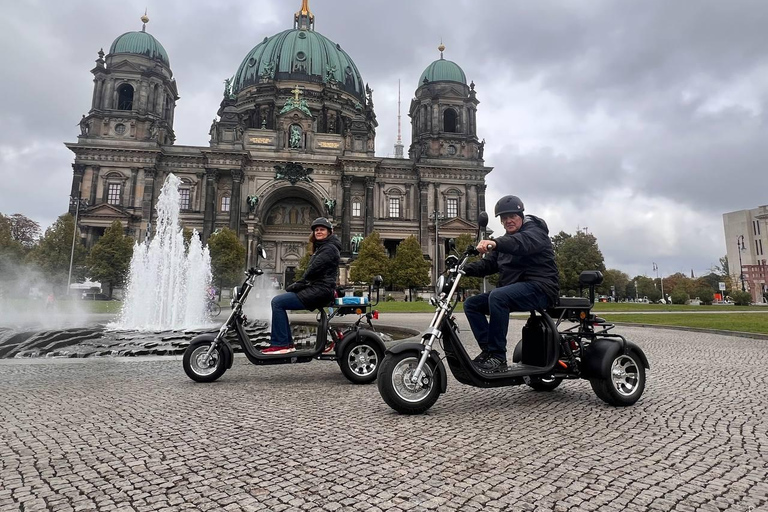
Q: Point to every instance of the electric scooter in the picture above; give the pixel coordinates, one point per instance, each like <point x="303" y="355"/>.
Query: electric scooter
<point x="413" y="375"/>
<point x="357" y="349"/>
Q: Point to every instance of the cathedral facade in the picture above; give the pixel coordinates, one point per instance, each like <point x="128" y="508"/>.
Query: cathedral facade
<point x="293" y="140"/>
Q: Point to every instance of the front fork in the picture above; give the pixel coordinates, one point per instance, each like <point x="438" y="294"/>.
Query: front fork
<point x="222" y="331"/>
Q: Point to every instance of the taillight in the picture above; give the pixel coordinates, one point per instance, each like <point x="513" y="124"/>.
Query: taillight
<point x="375" y="315"/>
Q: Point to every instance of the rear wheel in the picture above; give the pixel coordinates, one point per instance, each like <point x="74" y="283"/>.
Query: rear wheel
<point x="397" y="388"/>
<point x="360" y="359"/>
<point x="200" y="368"/>
<point x="543" y="383"/>
<point x="625" y="383"/>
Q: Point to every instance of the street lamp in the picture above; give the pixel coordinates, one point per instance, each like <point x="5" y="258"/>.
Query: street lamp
<point x="437" y="216"/>
<point x="656" y="268"/>
<point x="77" y="203"/>
<point x="740" y="247"/>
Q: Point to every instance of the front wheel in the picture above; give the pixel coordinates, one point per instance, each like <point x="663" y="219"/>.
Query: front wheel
<point x="543" y="383"/>
<point x="400" y="392"/>
<point x="360" y="360"/>
<point x="200" y="368"/>
<point x="625" y="382"/>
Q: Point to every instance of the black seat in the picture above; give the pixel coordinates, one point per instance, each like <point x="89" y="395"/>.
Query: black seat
<point x="573" y="303"/>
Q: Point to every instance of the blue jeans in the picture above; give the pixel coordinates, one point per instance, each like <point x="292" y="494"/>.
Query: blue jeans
<point x="498" y="304"/>
<point x="281" y="329"/>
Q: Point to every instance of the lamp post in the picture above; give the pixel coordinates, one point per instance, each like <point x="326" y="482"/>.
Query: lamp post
<point x="740" y="247"/>
<point x="661" y="280"/>
<point x="437" y="216"/>
<point x="78" y="203"/>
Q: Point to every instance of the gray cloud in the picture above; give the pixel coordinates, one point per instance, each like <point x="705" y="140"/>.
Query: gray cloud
<point x="643" y="121"/>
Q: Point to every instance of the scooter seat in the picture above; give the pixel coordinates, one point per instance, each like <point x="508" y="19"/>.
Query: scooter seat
<point x="573" y="303"/>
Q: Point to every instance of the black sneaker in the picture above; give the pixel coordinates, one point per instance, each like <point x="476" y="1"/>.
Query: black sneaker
<point x="492" y="364"/>
<point x="481" y="357"/>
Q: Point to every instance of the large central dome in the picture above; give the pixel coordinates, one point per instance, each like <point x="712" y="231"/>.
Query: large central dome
<point x="299" y="54"/>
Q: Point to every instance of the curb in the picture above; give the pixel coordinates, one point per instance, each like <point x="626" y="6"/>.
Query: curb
<point x="738" y="334"/>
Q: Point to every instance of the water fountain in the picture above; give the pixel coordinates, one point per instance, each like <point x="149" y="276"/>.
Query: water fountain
<point x="167" y="280"/>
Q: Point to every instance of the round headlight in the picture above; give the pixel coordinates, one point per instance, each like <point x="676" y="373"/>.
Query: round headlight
<point x="440" y="284"/>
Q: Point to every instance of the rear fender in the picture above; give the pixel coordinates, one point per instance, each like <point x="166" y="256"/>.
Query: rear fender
<point x="434" y="355"/>
<point x="227" y="353"/>
<point x="371" y="336"/>
<point x="599" y="353"/>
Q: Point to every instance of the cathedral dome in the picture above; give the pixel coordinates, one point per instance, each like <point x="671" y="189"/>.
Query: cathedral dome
<point x="302" y="55"/>
<point x="443" y="71"/>
<point x="139" y="43"/>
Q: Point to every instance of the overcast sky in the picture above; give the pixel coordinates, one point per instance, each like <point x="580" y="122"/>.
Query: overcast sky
<point x="642" y="122"/>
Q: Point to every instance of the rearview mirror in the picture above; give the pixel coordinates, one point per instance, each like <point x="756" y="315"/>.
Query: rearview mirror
<point x="482" y="220"/>
<point x="378" y="281"/>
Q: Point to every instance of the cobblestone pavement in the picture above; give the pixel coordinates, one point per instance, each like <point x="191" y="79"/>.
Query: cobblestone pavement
<point x="137" y="435"/>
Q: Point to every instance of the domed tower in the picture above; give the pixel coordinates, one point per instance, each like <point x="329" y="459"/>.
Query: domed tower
<point x="134" y="93"/>
<point x="297" y="92"/>
<point x="443" y="114"/>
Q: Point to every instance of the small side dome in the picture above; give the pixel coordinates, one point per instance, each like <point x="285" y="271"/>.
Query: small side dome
<point x="140" y="43"/>
<point x="443" y="71"/>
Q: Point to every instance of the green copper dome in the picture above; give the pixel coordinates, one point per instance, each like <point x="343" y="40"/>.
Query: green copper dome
<point x="140" y="43"/>
<point x="302" y="55"/>
<point x="443" y="71"/>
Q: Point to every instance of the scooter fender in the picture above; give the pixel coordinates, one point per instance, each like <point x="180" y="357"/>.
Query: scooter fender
<point x="227" y="353"/>
<point x="434" y="355"/>
<point x="371" y="336"/>
<point x="596" y="358"/>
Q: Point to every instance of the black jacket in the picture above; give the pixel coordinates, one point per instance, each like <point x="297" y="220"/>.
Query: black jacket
<point x="525" y="256"/>
<point x="315" y="288"/>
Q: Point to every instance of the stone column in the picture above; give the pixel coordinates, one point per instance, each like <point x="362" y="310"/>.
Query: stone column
<point x="369" y="214"/>
<point x="209" y="217"/>
<point x="424" y="215"/>
<point x="95" y="169"/>
<point x="147" y="203"/>
<point x="346" y="211"/>
<point x="134" y="177"/>
<point x="481" y="198"/>
<point x="77" y="182"/>
<point x="234" y="202"/>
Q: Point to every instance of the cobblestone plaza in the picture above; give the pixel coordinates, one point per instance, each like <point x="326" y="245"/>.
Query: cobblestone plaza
<point x="137" y="435"/>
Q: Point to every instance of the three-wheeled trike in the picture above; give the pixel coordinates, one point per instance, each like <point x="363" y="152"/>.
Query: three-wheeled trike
<point x="357" y="349"/>
<point x="413" y="375"/>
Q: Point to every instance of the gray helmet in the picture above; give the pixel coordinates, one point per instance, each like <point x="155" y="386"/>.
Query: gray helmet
<point x="509" y="204"/>
<point x="322" y="221"/>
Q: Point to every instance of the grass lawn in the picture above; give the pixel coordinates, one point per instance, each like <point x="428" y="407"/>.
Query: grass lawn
<point x="755" y="323"/>
<point x="605" y="307"/>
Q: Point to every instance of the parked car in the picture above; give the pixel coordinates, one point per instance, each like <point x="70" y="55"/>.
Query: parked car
<point x="94" y="296"/>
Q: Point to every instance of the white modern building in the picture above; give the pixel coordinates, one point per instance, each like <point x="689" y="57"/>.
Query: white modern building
<point x="746" y="240"/>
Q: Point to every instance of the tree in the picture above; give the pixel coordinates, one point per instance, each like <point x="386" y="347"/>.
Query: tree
<point x="559" y="239"/>
<point x="52" y="254"/>
<point x="462" y="242"/>
<point x="706" y="295"/>
<point x="616" y="279"/>
<point x="679" y="296"/>
<point x="110" y="259"/>
<point x="645" y="288"/>
<point x="24" y="230"/>
<point x="372" y="260"/>
<point x="11" y="255"/>
<point x="574" y="255"/>
<point x="409" y="269"/>
<point x="227" y="257"/>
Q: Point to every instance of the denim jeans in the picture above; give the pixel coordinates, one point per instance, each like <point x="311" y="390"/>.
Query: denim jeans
<point x="492" y="337"/>
<point x="281" y="328"/>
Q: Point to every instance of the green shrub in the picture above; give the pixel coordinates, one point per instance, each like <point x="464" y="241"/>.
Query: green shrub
<point x="357" y="293"/>
<point x="741" y="298"/>
<point x="389" y="298"/>
<point x="419" y="298"/>
<point x="679" y="297"/>
<point x="705" y="295"/>
<point x="654" y="296"/>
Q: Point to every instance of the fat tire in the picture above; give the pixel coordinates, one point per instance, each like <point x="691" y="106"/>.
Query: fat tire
<point x="388" y="389"/>
<point x="607" y="389"/>
<point x="193" y="351"/>
<point x="367" y="345"/>
<point x="539" y="384"/>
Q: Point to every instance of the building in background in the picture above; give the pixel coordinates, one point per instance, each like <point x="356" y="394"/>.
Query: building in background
<point x="293" y="139"/>
<point x="746" y="238"/>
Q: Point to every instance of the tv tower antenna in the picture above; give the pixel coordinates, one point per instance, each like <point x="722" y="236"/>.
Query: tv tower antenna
<point x="399" y="143"/>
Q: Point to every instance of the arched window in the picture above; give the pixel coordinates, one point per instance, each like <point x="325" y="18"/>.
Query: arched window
<point x="125" y="97"/>
<point x="450" y="118"/>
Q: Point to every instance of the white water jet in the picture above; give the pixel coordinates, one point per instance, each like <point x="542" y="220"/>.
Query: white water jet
<point x="167" y="282"/>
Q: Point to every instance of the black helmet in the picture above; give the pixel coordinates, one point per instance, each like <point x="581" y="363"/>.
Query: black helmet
<point x="322" y="221"/>
<point x="509" y="204"/>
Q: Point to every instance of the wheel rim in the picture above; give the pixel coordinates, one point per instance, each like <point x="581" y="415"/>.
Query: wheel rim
<point x="363" y="360"/>
<point x="199" y="364"/>
<point x="625" y="375"/>
<point x="401" y="380"/>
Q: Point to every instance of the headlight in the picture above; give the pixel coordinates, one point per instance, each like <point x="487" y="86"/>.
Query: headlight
<point x="440" y="284"/>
